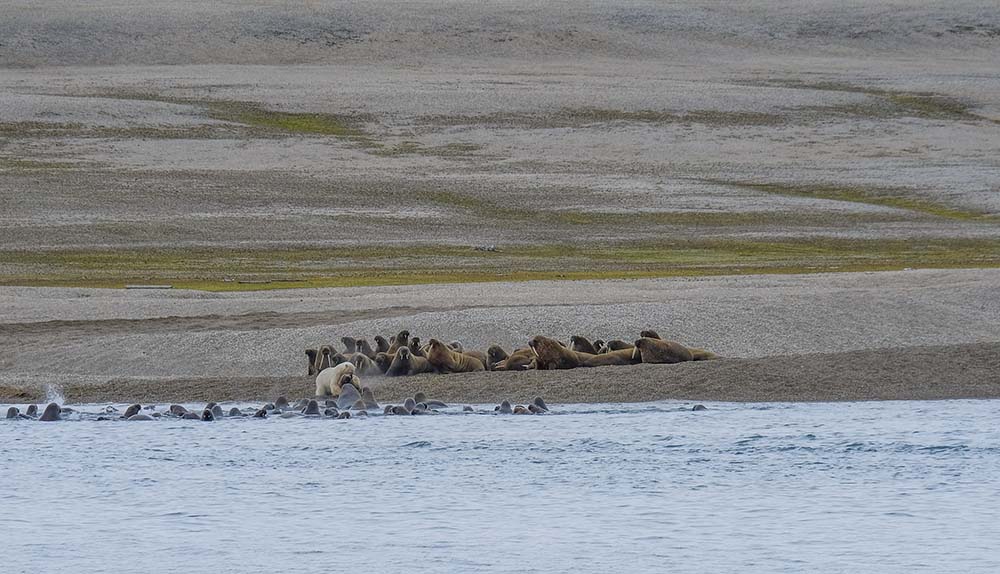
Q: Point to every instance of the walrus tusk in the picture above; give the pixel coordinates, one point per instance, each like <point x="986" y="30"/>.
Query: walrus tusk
<point x="634" y="351"/>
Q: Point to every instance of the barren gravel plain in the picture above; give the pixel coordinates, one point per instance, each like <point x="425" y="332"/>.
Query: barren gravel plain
<point x="488" y="172"/>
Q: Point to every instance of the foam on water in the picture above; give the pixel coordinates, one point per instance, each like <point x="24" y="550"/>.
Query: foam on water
<point x="852" y="487"/>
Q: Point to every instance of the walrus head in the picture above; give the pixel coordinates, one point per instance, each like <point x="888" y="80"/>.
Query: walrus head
<point x="381" y="344"/>
<point x="404" y="354"/>
<point x="650" y="334"/>
<point x="312" y="354"/>
<point x="350" y="343"/>
<point x="496" y="354"/>
<point x="402" y="337"/>
<point x="382" y="361"/>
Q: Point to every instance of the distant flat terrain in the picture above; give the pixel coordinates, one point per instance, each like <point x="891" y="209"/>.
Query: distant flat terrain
<point x="384" y="143"/>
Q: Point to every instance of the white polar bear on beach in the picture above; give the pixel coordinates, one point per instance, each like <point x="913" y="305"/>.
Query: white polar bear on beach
<point x="329" y="380"/>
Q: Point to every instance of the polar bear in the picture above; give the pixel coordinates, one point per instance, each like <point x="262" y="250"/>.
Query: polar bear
<point x="329" y="380"/>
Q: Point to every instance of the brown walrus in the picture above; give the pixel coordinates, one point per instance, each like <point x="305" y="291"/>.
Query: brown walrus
<point x="582" y="345"/>
<point x="326" y="358"/>
<point x="660" y="351"/>
<point x="383" y="361"/>
<point x="494" y="355"/>
<point x="365" y="366"/>
<point x="351" y="344"/>
<point x="520" y="360"/>
<point x="381" y="344"/>
<point x="365" y="348"/>
<point x="402" y="339"/>
<point x="550" y="354"/>
<point x="446" y="360"/>
<point x="621" y="357"/>
<point x="649" y="334"/>
<point x="313" y="356"/>
<point x="701" y="354"/>
<point x="616" y="345"/>
<point x="415" y="347"/>
<point x="406" y="363"/>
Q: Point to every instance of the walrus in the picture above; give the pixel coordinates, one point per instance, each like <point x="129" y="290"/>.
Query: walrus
<point x="331" y="412"/>
<point x="349" y="394"/>
<point x="131" y="411"/>
<point x="52" y="413"/>
<point x="344" y="415"/>
<point x="32" y="411"/>
<point x="622" y="357"/>
<point x="369" y="397"/>
<point x="383" y="361"/>
<point x="415" y="347"/>
<point x="649" y="334"/>
<point x="445" y="360"/>
<point x="190" y="417"/>
<point x="326" y="353"/>
<point x="365" y="366"/>
<point x="381" y="344"/>
<point x="660" y="351"/>
<point x="177" y="410"/>
<point x="520" y="360"/>
<point x="494" y="354"/>
<point x="400" y="340"/>
<point x="235" y="412"/>
<point x="409" y="404"/>
<point x="504" y="408"/>
<point x="313" y="356"/>
<point x="616" y="345"/>
<point x="260" y="414"/>
<point x="207" y="415"/>
<point x="406" y="363"/>
<point x="329" y="381"/>
<point x="701" y="354"/>
<point x="582" y="345"/>
<point x="141" y="417"/>
<point x="536" y="410"/>
<point x="350" y="343"/>
<point x="280" y="403"/>
<point x="699" y="408"/>
<point x="13" y="413"/>
<point x="312" y="408"/>
<point x="365" y="348"/>
<point x="540" y="403"/>
<point x="551" y="355"/>
<point x="521" y="410"/>
<point x="598" y="343"/>
<point x="456" y="346"/>
<point x="217" y="412"/>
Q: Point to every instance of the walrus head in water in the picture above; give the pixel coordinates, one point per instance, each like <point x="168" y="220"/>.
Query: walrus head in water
<point x="52" y="413"/>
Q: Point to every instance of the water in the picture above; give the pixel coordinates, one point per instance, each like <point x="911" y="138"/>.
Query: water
<point x="852" y="487"/>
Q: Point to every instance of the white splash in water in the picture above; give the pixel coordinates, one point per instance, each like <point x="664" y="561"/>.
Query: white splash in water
<point x="53" y="394"/>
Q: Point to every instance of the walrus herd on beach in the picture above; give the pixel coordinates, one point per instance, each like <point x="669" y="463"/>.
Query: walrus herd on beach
<point x="405" y="355"/>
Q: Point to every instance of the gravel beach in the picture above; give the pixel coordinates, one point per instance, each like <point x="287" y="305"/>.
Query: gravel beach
<point x="894" y="335"/>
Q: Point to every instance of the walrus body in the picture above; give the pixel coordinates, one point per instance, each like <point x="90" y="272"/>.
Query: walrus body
<point x="551" y="355"/>
<point x="406" y="363"/>
<point x="381" y="344"/>
<point x="313" y="356"/>
<point x="350" y="344"/>
<point x="365" y="349"/>
<point x="52" y="413"/>
<point x="383" y="361"/>
<point x="446" y="360"/>
<point x="520" y="360"/>
<point x="329" y="381"/>
<point x="622" y="357"/>
<point x="582" y="345"/>
<point x="660" y="351"/>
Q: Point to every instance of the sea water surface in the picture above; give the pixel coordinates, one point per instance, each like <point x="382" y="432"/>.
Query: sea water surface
<point x="840" y="487"/>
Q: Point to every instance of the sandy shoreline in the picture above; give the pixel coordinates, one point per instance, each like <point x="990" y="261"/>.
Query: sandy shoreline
<point x="914" y="373"/>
